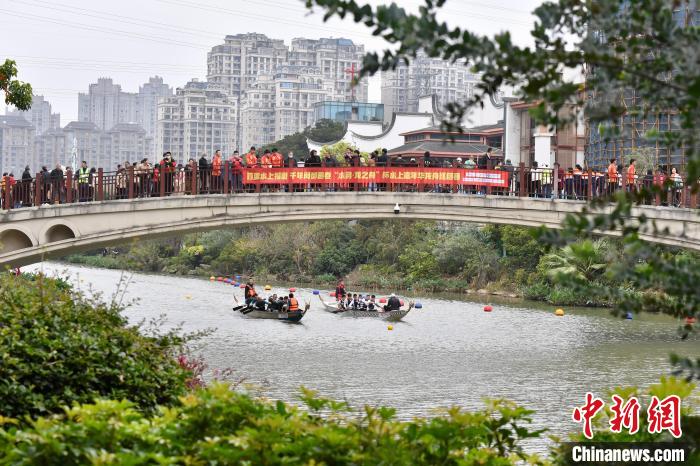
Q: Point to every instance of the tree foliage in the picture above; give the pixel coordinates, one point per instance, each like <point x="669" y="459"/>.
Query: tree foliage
<point x="323" y="131"/>
<point x="16" y="92"/>
<point x="221" y="426"/>
<point x="57" y="348"/>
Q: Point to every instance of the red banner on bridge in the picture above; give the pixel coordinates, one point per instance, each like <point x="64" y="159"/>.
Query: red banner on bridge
<point x="367" y="175"/>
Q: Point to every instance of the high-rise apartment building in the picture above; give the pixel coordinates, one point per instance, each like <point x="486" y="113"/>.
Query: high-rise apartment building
<point x="339" y="61"/>
<point x="275" y="87"/>
<point x="282" y="103"/>
<point x="238" y="62"/>
<point x="125" y="142"/>
<point x="450" y="82"/>
<point x="50" y="148"/>
<point x="16" y="144"/>
<point x="40" y="115"/>
<point x="106" y="105"/>
<point x="199" y="119"/>
<point x="147" y="106"/>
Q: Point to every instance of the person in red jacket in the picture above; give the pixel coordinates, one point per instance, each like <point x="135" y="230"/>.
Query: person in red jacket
<point x="167" y="166"/>
<point x="236" y="172"/>
<point x="340" y="291"/>
<point x="156" y="180"/>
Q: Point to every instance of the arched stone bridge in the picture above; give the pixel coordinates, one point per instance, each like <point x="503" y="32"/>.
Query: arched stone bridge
<point x="33" y="234"/>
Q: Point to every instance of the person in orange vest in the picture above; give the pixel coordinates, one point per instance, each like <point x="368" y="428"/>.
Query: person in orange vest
<point x="612" y="176"/>
<point x="293" y="303"/>
<point x="631" y="177"/>
<point x="251" y="160"/>
<point x="216" y="180"/>
<point x="236" y="173"/>
<point x="266" y="160"/>
<point x="249" y="293"/>
<point x="276" y="158"/>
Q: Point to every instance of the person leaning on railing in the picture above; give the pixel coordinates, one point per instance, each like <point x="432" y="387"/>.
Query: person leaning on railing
<point x="676" y="186"/>
<point x="612" y="176"/>
<point x="121" y="182"/>
<point x="632" y="177"/>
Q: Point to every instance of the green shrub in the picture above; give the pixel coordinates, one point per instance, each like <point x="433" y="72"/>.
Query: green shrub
<point x="221" y="426"/>
<point x="562" y="296"/>
<point x="536" y="291"/>
<point x="58" y="347"/>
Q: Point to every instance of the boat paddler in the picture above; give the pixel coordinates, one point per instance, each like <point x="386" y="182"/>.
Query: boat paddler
<point x="340" y="291"/>
<point x="249" y="292"/>
<point x="293" y="303"/>
<point x="393" y="304"/>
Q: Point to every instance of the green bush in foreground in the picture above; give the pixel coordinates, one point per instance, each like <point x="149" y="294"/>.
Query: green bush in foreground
<point x="220" y="426"/>
<point x="58" y="348"/>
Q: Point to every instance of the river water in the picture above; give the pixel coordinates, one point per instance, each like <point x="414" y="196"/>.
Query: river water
<point x="450" y="352"/>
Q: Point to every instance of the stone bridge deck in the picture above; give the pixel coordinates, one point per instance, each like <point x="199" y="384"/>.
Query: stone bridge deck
<point x="33" y="234"/>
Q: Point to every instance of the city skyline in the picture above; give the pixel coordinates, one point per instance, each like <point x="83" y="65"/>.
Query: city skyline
<point x="59" y="62"/>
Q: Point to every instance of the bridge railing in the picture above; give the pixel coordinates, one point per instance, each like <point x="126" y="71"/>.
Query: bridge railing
<point x="162" y="181"/>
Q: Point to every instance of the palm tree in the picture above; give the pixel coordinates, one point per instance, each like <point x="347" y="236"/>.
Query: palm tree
<point x="583" y="262"/>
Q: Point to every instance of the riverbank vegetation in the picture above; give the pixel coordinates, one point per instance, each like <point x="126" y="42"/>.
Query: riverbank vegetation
<point x="59" y="347"/>
<point x="78" y="385"/>
<point x="420" y="256"/>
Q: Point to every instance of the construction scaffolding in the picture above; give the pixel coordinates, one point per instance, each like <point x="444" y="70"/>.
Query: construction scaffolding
<point x="633" y="134"/>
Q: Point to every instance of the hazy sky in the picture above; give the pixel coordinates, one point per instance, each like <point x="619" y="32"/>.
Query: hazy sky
<point x="61" y="46"/>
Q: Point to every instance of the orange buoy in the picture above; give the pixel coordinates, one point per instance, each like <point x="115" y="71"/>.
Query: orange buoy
<point x="382" y="300"/>
<point x="488" y="308"/>
<point x="292" y="290"/>
<point x="690" y="320"/>
<point x="332" y="294"/>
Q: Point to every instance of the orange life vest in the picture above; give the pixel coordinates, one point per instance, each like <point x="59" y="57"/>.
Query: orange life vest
<point x="612" y="173"/>
<point x="293" y="304"/>
<point x="265" y="161"/>
<point x="250" y="159"/>
<point x="216" y="166"/>
<point x="630" y="174"/>
<point x="276" y="159"/>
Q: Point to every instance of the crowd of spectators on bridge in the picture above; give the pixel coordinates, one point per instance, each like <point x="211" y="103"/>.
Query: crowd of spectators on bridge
<point x="217" y="174"/>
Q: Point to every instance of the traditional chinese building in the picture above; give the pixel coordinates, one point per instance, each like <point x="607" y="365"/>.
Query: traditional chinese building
<point x="442" y="145"/>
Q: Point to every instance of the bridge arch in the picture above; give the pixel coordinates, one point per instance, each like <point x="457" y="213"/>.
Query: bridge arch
<point x="16" y="237"/>
<point x="58" y="230"/>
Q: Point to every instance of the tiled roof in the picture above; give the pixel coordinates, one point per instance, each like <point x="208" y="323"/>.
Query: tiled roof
<point x="438" y="147"/>
<point x="476" y="129"/>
